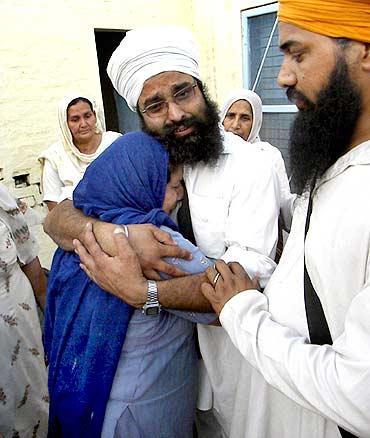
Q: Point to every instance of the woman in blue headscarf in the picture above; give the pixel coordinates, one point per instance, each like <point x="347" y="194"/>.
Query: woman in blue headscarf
<point x="113" y="371"/>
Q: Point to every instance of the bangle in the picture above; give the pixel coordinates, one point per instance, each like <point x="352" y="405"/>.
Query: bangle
<point x="125" y="229"/>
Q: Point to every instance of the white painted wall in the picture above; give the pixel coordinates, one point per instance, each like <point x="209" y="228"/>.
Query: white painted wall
<point x="48" y="48"/>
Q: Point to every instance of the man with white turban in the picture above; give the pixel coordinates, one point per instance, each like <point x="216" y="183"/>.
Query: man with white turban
<point x="232" y="190"/>
<point x="307" y="337"/>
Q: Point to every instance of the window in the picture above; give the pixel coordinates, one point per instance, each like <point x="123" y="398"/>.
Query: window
<point x="261" y="61"/>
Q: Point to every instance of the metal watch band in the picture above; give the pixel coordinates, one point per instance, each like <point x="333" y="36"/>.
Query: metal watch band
<point x="152" y="306"/>
<point x="152" y="292"/>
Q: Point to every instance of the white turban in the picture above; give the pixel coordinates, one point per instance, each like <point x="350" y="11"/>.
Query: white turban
<point x="256" y="104"/>
<point x="146" y="52"/>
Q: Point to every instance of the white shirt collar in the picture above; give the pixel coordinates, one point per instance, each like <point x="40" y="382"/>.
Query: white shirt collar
<point x="357" y="155"/>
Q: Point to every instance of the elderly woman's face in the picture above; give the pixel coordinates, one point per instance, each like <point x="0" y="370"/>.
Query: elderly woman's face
<point x="81" y="122"/>
<point x="174" y="190"/>
<point x="239" y="119"/>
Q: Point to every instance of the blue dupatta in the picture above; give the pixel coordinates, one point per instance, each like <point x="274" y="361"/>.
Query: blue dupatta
<point x="85" y="327"/>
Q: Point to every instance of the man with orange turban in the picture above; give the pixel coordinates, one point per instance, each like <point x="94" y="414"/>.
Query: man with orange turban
<point x="306" y="339"/>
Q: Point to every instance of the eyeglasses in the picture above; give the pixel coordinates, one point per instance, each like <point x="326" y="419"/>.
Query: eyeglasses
<point x="181" y="97"/>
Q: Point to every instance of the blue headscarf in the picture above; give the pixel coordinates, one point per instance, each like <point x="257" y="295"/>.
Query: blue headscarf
<point x="85" y="327"/>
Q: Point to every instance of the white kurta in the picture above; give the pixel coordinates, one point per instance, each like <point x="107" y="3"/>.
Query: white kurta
<point x="286" y="197"/>
<point x="24" y="401"/>
<point x="61" y="174"/>
<point x="234" y="209"/>
<point x="317" y="387"/>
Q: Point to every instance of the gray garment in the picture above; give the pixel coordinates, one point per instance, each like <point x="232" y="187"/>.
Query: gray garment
<point x="156" y="382"/>
<point x="155" y="385"/>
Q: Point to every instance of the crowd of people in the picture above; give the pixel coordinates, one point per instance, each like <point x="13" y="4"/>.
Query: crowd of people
<point x="168" y="312"/>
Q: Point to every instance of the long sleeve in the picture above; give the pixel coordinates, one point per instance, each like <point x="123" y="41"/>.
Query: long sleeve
<point x="332" y="381"/>
<point x="198" y="263"/>
<point x="270" y="329"/>
<point x="252" y="223"/>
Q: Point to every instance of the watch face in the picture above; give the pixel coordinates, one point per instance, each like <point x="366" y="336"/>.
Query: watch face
<point x="152" y="310"/>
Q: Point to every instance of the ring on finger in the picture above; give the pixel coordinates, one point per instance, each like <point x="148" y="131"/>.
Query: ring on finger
<point x="217" y="276"/>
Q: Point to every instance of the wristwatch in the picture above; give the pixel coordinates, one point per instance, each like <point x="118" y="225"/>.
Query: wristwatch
<point x="152" y="306"/>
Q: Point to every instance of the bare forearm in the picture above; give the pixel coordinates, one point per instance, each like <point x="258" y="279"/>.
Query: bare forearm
<point x="123" y="276"/>
<point x="104" y="235"/>
<point x="184" y="293"/>
<point x="65" y="223"/>
<point x="51" y="204"/>
<point x="38" y="281"/>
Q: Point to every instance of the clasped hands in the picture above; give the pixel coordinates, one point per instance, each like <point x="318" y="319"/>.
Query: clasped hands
<point x="124" y="273"/>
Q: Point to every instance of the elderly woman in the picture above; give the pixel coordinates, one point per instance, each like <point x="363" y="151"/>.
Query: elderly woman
<point x="82" y="139"/>
<point x="115" y="371"/>
<point x="23" y="380"/>
<point x="241" y="114"/>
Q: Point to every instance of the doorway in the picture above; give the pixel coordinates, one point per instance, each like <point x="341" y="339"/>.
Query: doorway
<point x="118" y="116"/>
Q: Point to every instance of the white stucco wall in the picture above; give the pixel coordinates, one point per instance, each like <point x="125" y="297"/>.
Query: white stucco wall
<point x="48" y="48"/>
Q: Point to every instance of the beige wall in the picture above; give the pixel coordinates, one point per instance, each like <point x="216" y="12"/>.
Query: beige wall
<point x="217" y="27"/>
<point x="48" y="48"/>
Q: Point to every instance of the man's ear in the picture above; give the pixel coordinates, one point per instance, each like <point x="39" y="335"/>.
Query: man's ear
<point x="366" y="57"/>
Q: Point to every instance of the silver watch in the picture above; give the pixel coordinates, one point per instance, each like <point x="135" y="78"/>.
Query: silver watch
<point x="152" y="306"/>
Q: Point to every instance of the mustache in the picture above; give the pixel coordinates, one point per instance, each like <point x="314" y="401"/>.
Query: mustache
<point x="170" y="128"/>
<point x="294" y="95"/>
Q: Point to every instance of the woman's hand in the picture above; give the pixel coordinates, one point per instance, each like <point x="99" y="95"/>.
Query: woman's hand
<point x="38" y="280"/>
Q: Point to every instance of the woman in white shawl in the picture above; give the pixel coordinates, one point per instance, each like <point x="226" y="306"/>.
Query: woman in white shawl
<point x="241" y="114"/>
<point x="82" y="139"/>
<point x="24" y="402"/>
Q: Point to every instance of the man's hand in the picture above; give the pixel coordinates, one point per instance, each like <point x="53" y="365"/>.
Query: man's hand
<point x="152" y="244"/>
<point x="65" y="223"/>
<point x="121" y="274"/>
<point x="232" y="280"/>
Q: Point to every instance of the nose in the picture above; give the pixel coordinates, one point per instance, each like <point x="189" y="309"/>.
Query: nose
<point x="180" y="193"/>
<point x="235" y="123"/>
<point x="175" y="112"/>
<point x="286" y="77"/>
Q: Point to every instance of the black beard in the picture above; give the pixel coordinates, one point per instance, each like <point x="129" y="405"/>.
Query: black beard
<point x="203" y="146"/>
<point x="322" y="133"/>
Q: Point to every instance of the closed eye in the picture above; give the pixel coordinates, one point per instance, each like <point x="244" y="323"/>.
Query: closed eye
<point x="297" y="57"/>
<point x="230" y="115"/>
<point x="183" y="94"/>
<point x="155" y="107"/>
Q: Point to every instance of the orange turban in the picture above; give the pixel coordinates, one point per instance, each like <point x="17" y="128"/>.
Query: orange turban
<point x="333" y="18"/>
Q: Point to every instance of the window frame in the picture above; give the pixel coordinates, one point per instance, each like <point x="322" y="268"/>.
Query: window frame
<point x="247" y="82"/>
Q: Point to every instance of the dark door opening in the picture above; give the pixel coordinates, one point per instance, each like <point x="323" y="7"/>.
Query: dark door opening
<point x="118" y="116"/>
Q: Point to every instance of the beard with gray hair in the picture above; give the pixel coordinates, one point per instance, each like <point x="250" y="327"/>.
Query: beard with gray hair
<point x="322" y="132"/>
<point x="204" y="145"/>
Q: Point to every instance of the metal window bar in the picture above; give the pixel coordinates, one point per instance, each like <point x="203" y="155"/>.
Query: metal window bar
<point x="264" y="55"/>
